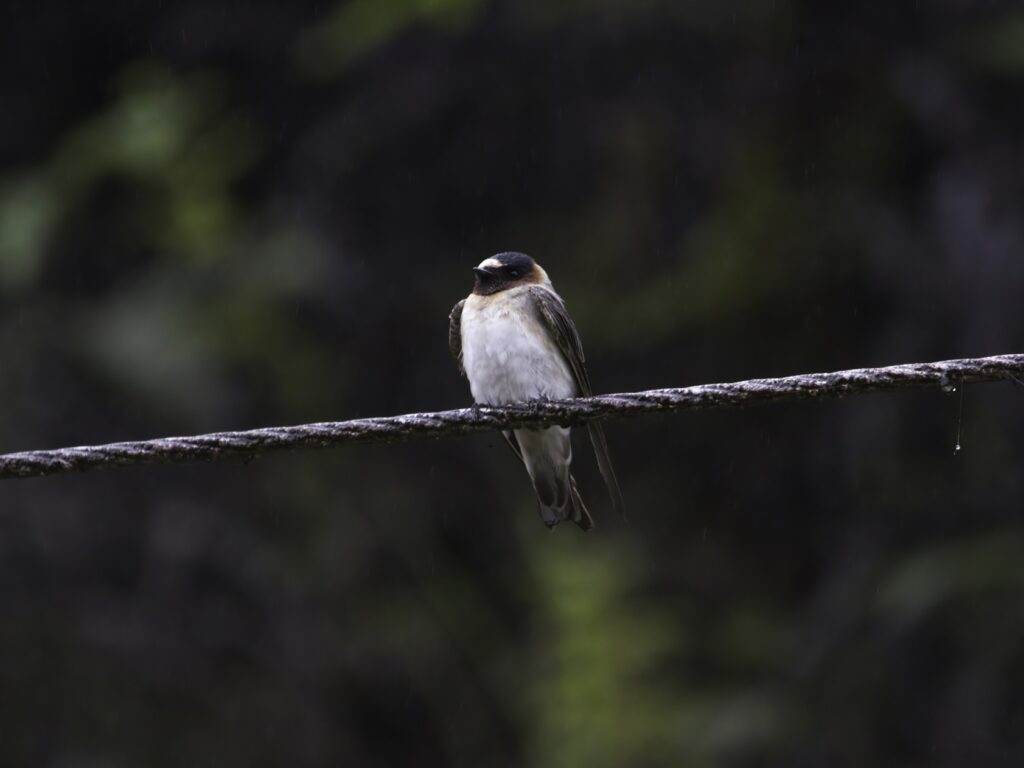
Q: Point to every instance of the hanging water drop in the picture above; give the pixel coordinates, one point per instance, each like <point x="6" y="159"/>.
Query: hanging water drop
<point x="959" y="419"/>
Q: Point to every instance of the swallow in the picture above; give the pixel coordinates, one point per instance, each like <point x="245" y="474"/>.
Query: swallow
<point x="514" y="340"/>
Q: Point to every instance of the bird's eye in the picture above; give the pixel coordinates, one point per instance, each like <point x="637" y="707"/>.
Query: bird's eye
<point x="513" y="273"/>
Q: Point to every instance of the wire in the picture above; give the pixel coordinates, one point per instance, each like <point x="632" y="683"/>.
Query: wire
<point x="252" y="443"/>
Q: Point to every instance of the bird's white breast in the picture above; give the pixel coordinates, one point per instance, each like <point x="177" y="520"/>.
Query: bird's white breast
<point x="507" y="352"/>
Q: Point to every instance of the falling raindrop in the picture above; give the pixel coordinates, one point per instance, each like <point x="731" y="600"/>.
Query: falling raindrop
<point x="959" y="419"/>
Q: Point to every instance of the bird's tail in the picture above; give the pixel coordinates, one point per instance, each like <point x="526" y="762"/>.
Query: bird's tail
<point x="559" y="500"/>
<point x="580" y="514"/>
<point x="547" y="455"/>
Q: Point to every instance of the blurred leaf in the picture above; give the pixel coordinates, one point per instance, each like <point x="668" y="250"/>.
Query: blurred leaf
<point x="356" y="29"/>
<point x="597" y="700"/>
<point x="958" y="569"/>
<point x="27" y="214"/>
<point x="999" y="45"/>
<point x="170" y="136"/>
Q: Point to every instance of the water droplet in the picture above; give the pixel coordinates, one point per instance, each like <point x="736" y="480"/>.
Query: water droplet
<point x="946" y="384"/>
<point x="956" y="450"/>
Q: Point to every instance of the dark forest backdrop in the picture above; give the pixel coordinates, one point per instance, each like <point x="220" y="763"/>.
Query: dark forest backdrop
<point x="219" y="215"/>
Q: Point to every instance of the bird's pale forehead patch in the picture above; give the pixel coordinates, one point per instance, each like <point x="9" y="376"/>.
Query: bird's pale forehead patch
<point x="491" y="263"/>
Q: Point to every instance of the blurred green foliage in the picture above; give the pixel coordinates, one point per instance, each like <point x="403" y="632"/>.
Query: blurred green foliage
<point x="358" y="28"/>
<point x="998" y="44"/>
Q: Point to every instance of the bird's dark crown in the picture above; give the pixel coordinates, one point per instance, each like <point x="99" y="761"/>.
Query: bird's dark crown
<point x="513" y="261"/>
<point x="503" y="271"/>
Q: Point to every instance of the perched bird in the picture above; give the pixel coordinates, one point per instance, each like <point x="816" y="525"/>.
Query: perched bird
<point x="512" y="337"/>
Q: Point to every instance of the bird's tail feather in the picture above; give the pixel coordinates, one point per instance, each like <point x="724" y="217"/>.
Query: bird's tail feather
<point x="560" y="500"/>
<point x="547" y="455"/>
<point x="604" y="463"/>
<point x="580" y="513"/>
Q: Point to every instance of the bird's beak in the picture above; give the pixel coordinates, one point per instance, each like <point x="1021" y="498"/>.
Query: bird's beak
<point x="483" y="272"/>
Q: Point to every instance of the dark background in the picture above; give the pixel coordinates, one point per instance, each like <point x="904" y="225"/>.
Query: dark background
<point x="217" y="215"/>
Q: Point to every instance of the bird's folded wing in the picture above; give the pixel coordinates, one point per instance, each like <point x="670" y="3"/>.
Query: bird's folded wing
<point x="455" y="335"/>
<point x="560" y="326"/>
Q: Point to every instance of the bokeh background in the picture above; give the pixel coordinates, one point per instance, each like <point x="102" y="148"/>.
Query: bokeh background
<point x="219" y="215"/>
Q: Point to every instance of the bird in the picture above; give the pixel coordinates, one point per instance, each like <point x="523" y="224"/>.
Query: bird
<point x="514" y="340"/>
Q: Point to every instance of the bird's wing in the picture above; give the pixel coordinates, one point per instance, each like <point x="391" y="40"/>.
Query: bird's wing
<point x="455" y="334"/>
<point x="562" y="330"/>
<point x="510" y="438"/>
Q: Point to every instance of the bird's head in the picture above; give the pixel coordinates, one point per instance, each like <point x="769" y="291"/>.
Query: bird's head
<point x="507" y="270"/>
